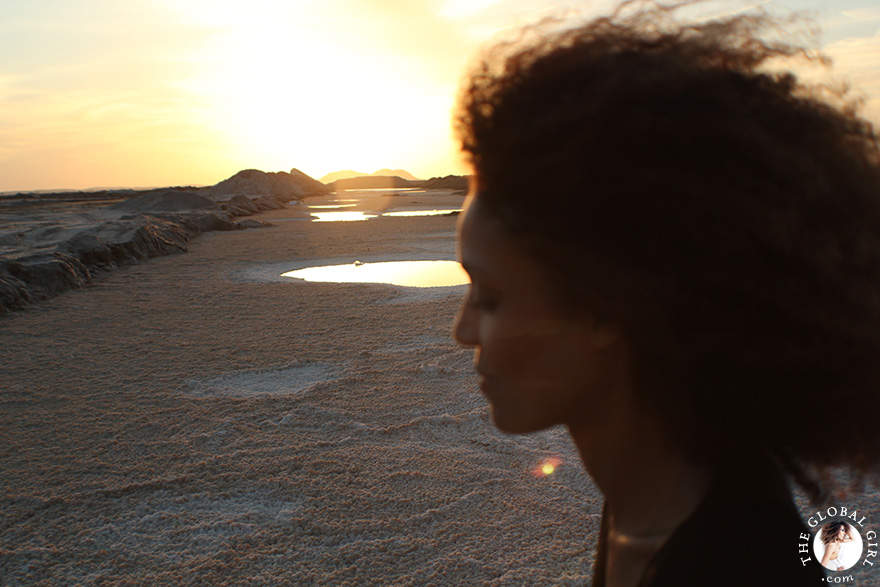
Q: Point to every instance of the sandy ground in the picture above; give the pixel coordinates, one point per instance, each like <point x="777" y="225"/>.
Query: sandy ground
<point x="194" y="420"/>
<point x="197" y="420"/>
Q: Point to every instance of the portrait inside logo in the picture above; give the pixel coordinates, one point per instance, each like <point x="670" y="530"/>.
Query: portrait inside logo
<point x="837" y="545"/>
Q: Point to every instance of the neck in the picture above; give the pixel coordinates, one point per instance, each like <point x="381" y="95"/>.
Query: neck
<point x="649" y="491"/>
<point x="649" y="487"/>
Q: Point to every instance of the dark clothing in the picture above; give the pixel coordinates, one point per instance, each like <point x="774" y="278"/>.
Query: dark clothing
<point x="746" y="531"/>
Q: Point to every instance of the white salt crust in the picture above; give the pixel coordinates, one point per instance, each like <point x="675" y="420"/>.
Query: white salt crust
<point x="177" y="424"/>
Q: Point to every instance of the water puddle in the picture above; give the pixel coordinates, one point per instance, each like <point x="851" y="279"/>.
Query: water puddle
<point x="341" y="216"/>
<point x="423" y="212"/>
<point x="403" y="273"/>
<point x="352" y="216"/>
<point x="388" y="190"/>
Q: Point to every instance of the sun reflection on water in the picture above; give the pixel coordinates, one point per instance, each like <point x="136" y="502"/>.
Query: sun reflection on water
<point x="423" y="212"/>
<point x="341" y="216"/>
<point x="403" y="273"/>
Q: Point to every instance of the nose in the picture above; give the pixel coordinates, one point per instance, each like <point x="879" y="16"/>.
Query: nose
<point x="465" y="328"/>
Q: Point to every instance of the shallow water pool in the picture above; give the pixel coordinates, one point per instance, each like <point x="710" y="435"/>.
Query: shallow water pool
<point x="444" y="212"/>
<point x="341" y="216"/>
<point x="403" y="273"/>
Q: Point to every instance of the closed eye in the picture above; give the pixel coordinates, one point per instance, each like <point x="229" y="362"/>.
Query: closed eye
<point x="483" y="299"/>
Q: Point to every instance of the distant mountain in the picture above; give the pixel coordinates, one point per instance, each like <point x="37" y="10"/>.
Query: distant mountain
<point x="396" y="173"/>
<point x="280" y="186"/>
<point x="93" y="190"/>
<point x="361" y="182"/>
<point x="367" y="182"/>
<point x="349" y="173"/>
<point x="344" y="174"/>
<point x="450" y="182"/>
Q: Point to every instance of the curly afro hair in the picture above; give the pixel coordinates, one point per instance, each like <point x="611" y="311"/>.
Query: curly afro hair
<point x="723" y="213"/>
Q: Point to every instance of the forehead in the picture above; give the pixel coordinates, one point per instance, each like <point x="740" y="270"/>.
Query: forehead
<point x="489" y="252"/>
<point x="482" y="241"/>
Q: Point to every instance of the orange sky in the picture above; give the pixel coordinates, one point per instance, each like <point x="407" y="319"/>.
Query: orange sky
<point x="171" y="92"/>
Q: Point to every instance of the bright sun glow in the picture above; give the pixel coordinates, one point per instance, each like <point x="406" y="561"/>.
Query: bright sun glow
<point x="179" y="92"/>
<point x="323" y="94"/>
<point x="460" y="8"/>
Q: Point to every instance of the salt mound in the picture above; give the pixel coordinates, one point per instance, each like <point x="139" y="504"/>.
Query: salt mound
<point x="280" y="185"/>
<point x="165" y="201"/>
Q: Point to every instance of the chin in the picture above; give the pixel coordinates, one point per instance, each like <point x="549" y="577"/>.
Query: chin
<point x="513" y="424"/>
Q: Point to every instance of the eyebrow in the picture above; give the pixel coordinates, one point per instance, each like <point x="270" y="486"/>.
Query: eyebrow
<point x="471" y="270"/>
<point x="477" y="273"/>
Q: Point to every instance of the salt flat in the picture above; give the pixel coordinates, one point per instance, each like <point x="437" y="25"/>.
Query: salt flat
<point x="188" y="422"/>
<point x="199" y="420"/>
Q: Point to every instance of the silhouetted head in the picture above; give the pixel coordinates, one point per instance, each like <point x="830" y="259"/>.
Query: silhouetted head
<point x="725" y="216"/>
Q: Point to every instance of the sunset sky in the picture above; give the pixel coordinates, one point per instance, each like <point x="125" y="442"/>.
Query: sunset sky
<point x="175" y="92"/>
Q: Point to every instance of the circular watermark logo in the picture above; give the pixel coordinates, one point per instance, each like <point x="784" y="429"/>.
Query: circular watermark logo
<point x="842" y="541"/>
<point x="838" y="546"/>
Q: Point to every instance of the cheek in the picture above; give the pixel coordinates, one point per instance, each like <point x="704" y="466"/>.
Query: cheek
<point x="505" y="350"/>
<point x="538" y="382"/>
<point x="546" y="358"/>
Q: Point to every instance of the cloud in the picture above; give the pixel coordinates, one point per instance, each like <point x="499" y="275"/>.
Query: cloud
<point x="90" y="82"/>
<point x="857" y="59"/>
<point x="862" y="14"/>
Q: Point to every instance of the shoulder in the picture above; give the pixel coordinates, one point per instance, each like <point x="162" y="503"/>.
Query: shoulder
<point x="746" y="531"/>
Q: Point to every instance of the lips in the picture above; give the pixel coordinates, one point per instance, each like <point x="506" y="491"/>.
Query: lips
<point x="485" y="383"/>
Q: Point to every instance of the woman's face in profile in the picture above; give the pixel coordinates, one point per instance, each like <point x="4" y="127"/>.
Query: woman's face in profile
<point x="538" y="364"/>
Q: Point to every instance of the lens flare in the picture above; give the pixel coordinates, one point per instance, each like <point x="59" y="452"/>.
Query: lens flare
<point x="547" y="467"/>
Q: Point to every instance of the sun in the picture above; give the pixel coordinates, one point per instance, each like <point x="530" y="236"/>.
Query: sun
<point x="463" y="8"/>
<point x="283" y="94"/>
